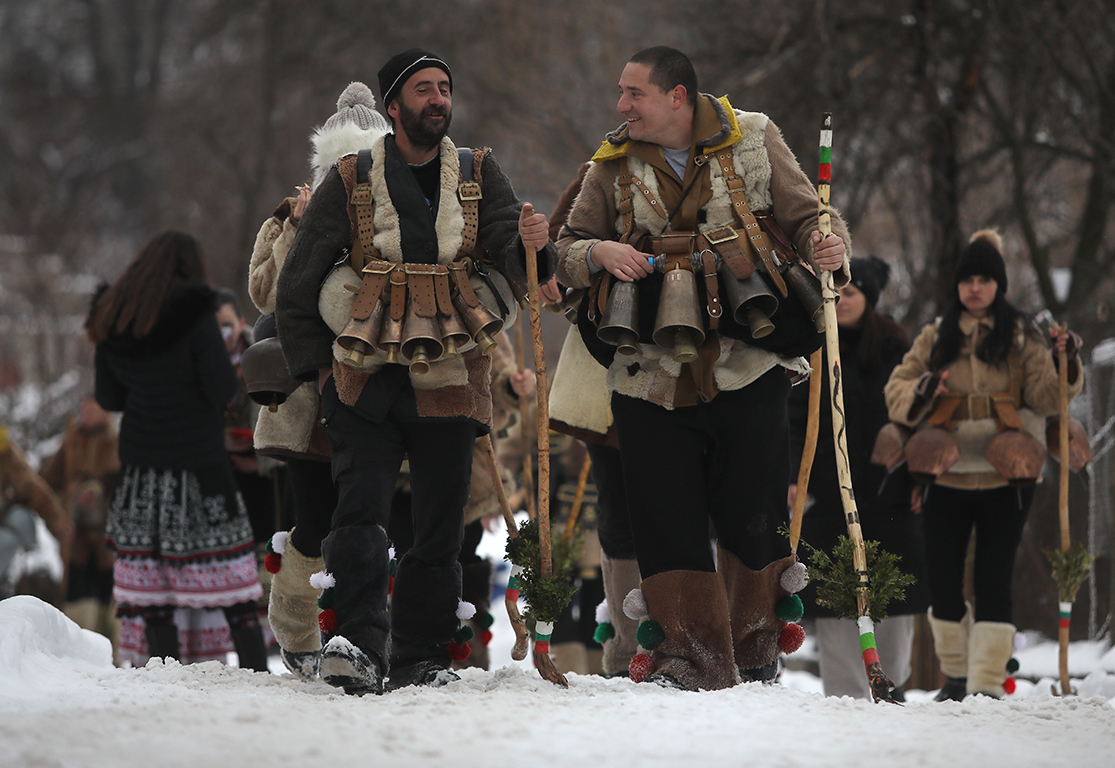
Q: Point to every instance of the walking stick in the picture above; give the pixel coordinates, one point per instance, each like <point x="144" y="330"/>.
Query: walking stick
<point x="880" y="684"/>
<point x="542" y="630"/>
<point x="1063" y="509"/>
<point x="528" y="468"/>
<point x="511" y="596"/>
<point x="578" y="499"/>
<point x="812" y="427"/>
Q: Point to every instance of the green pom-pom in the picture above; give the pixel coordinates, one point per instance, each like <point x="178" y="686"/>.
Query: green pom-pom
<point x="270" y="548"/>
<point x="394" y="566"/>
<point x="463" y="634"/>
<point x="484" y="619"/>
<point x="604" y="632"/>
<point x="325" y="601"/>
<point x="789" y="608"/>
<point x="1012" y="666"/>
<point x="650" y="634"/>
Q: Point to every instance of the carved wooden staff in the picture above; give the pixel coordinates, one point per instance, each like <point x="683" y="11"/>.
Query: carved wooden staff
<point x="880" y="685"/>
<point x="511" y="595"/>
<point x="812" y="427"/>
<point x="542" y="630"/>
<point x="524" y="410"/>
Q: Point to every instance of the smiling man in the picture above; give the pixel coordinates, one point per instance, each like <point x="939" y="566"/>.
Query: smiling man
<point x="419" y="209"/>
<point x="703" y="432"/>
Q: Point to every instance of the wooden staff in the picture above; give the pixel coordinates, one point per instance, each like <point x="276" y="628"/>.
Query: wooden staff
<point x="511" y="596"/>
<point x="1063" y="508"/>
<point x="542" y="632"/>
<point x="880" y="685"/>
<point x="524" y="410"/>
<point x="578" y="499"/>
<point x="812" y="427"/>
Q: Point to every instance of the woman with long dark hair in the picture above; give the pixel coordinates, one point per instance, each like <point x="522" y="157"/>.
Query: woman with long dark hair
<point x="871" y="345"/>
<point x="979" y="370"/>
<point x="177" y="523"/>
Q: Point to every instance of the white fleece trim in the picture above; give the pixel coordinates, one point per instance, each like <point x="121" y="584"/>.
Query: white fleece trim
<point x="330" y="144"/>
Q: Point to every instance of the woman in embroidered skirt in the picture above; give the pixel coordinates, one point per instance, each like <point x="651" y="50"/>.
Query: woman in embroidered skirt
<point x="178" y="526"/>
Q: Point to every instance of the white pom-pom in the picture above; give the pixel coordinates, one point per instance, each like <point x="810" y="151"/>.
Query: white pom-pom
<point x="794" y="578"/>
<point x="635" y="605"/>
<point x="603" y="615"/>
<point x="322" y="580"/>
<point x="465" y="610"/>
<point x="356" y="93"/>
<point x="278" y="542"/>
<point x="391" y="553"/>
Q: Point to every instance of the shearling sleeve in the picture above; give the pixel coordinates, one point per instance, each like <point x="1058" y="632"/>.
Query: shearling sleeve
<point x="323" y="235"/>
<point x="795" y="202"/>
<point x="499" y="227"/>
<point x="901" y="388"/>
<point x="592" y="219"/>
<point x="1040" y="381"/>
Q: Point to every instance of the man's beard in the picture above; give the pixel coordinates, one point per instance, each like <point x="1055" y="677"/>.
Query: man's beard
<point x="418" y="131"/>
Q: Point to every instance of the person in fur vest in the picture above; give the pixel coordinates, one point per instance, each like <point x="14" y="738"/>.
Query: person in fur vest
<point x="978" y="366"/>
<point x="706" y="439"/>
<point x="292" y="431"/>
<point x="375" y="411"/>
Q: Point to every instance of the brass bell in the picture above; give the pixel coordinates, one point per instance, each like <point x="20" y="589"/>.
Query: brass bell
<point x="480" y="322"/>
<point x="889" y="444"/>
<point x="421" y="340"/>
<point x="751" y="301"/>
<point x="620" y="324"/>
<point x="454" y="334"/>
<point x="807" y="288"/>
<point x="391" y="338"/>
<point x="1016" y="455"/>
<point x="360" y="337"/>
<point x="930" y="453"/>
<point x="678" y="323"/>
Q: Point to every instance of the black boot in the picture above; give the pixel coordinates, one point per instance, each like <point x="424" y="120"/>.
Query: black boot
<point x="355" y="654"/>
<point x="162" y="641"/>
<point x="954" y="689"/>
<point x="250" y="650"/>
<point x="423" y="620"/>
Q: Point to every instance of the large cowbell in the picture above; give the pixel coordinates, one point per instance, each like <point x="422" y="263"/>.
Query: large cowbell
<point x="807" y="287"/>
<point x="620" y="324"/>
<point x="751" y="302"/>
<point x="678" y="323"/>
<point x="481" y="323"/>
<point x="421" y="339"/>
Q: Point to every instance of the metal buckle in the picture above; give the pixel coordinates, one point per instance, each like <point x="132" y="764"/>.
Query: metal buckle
<point x="468" y="190"/>
<point x="361" y="194"/>
<point x="721" y="235"/>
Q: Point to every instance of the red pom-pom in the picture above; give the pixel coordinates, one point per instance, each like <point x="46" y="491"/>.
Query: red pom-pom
<point x="390" y="584"/>
<point x="485" y="636"/>
<point x="327" y="620"/>
<point x="273" y="562"/>
<point x="458" y="651"/>
<point x="640" y="667"/>
<point x="1009" y="685"/>
<point x="791" y="638"/>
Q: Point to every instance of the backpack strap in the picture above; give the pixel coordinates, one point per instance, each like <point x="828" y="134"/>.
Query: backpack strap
<point x="469" y="194"/>
<point x="361" y="201"/>
<point x="756" y="236"/>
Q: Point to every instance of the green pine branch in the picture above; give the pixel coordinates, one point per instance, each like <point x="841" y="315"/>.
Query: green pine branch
<point x="546" y="596"/>
<point x="838" y="582"/>
<point x="1070" y="570"/>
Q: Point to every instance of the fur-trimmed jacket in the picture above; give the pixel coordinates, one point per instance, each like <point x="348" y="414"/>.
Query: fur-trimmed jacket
<point x="1030" y="359"/>
<point x="773" y="181"/>
<point x="293" y="429"/>
<point x="456" y="386"/>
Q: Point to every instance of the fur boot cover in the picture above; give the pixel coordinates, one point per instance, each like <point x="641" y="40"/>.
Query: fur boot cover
<point x="688" y="620"/>
<point x="354" y="601"/>
<point x="424" y="604"/>
<point x="292" y="608"/>
<point x="990" y="647"/>
<point x="950" y="640"/>
<point x="752" y="596"/>
<point x="620" y="576"/>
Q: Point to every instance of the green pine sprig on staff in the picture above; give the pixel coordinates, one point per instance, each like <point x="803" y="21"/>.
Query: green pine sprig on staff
<point x="837" y="581"/>
<point x="1070" y="570"/>
<point x="546" y="596"/>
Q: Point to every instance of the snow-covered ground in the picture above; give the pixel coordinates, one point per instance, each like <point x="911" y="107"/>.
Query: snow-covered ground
<point x="63" y="704"/>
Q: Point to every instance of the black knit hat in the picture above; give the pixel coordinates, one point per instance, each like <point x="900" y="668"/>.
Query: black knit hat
<point x="401" y="66"/>
<point x="983" y="256"/>
<point x="870" y="276"/>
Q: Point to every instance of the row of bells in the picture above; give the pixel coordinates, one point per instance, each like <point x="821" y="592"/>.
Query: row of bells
<point x="420" y="340"/>
<point x="679" y="323"/>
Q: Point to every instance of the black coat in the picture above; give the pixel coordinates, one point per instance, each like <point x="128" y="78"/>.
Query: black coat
<point x="884" y="517"/>
<point x="173" y="385"/>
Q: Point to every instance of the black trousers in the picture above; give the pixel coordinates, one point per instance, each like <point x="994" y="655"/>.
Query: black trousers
<point x="998" y="516"/>
<point x="727" y="460"/>
<point x="613" y="523"/>
<point x="315" y="498"/>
